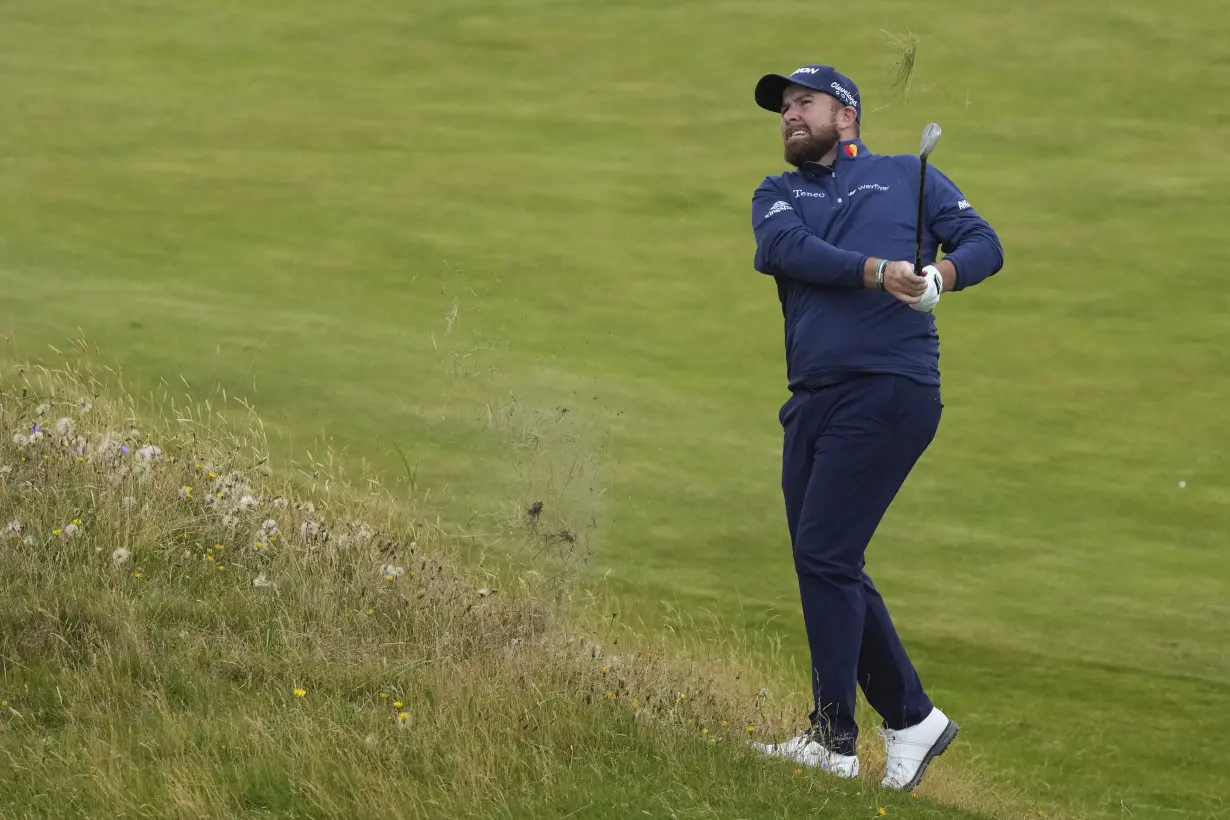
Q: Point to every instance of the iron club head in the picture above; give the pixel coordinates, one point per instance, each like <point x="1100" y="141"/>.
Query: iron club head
<point x="930" y="136"/>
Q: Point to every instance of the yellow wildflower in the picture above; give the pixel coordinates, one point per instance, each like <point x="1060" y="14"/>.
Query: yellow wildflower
<point x="397" y="704"/>
<point x="797" y="772"/>
<point x="209" y="557"/>
<point x="76" y="522"/>
<point x="723" y="724"/>
<point x="609" y="694"/>
<point x="751" y="730"/>
<point x="221" y="568"/>
<point x="384" y="695"/>
<point x="300" y="692"/>
<point x="56" y="532"/>
<point x="136" y="575"/>
<point x="403" y="716"/>
<point x="636" y="704"/>
<point x="881" y="811"/>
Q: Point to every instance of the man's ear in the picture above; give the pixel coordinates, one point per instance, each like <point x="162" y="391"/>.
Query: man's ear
<point x="850" y="116"/>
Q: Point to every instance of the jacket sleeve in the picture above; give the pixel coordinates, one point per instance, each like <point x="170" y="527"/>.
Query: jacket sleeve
<point x="968" y="240"/>
<point x="785" y="246"/>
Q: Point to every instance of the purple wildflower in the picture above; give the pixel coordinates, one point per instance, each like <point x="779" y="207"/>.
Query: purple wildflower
<point x="124" y="449"/>
<point x="36" y="428"/>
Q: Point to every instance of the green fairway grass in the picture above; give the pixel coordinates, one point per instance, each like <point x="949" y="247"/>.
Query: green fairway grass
<point x="422" y="231"/>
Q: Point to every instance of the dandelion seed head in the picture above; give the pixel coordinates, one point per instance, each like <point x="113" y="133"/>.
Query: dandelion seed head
<point x="65" y="427"/>
<point x="13" y="527"/>
<point x="149" y="453"/>
<point x="43" y="409"/>
<point x="120" y="555"/>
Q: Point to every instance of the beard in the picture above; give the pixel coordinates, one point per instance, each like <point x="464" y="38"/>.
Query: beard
<point x="813" y="147"/>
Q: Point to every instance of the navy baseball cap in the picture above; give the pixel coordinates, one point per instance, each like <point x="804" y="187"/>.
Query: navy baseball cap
<point x="822" y="78"/>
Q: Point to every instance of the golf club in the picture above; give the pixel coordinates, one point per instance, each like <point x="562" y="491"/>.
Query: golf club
<point x="930" y="136"/>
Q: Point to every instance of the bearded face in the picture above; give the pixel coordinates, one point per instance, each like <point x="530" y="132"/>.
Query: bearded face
<point x="808" y="143"/>
<point x="809" y="125"/>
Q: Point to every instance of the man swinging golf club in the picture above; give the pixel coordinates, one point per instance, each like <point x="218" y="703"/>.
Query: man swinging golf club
<point x="851" y="239"/>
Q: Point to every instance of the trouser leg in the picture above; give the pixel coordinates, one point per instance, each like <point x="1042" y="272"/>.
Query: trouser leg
<point x="865" y="437"/>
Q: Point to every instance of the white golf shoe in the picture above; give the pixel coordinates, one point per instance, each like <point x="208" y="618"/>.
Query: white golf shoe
<point x="912" y="749"/>
<point x="808" y="752"/>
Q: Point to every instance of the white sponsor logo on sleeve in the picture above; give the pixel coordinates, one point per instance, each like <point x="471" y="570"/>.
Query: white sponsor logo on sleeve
<point x="963" y="205"/>
<point x="778" y="207"/>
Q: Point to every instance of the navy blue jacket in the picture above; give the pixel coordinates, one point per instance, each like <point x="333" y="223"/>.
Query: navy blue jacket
<point x="815" y="229"/>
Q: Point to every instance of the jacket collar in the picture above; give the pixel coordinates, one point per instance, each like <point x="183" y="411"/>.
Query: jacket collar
<point x="847" y="151"/>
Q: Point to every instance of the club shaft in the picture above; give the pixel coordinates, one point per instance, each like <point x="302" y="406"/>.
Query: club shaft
<point x="922" y="182"/>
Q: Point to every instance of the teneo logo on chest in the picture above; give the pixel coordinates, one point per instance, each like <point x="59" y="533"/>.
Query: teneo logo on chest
<point x="800" y="192"/>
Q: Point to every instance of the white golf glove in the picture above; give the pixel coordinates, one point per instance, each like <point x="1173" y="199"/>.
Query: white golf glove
<point x="931" y="296"/>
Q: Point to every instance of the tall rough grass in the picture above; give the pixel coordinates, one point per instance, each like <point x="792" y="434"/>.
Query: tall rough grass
<point x="187" y="632"/>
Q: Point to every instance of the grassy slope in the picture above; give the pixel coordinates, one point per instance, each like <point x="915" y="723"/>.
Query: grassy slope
<point x="166" y="652"/>
<point x="289" y="203"/>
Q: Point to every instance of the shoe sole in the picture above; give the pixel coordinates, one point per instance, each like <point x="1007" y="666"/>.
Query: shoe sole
<point x="938" y="748"/>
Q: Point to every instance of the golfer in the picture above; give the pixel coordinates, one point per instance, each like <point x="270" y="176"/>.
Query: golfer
<point x="838" y="236"/>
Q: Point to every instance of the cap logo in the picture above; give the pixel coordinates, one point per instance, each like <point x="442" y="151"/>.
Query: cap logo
<point x="804" y="71"/>
<point x="844" y="94"/>
<point x="852" y="150"/>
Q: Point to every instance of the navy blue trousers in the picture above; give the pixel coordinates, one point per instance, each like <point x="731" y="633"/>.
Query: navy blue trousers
<point x="847" y="450"/>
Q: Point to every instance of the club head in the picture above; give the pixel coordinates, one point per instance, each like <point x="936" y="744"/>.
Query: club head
<point x="930" y="136"/>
